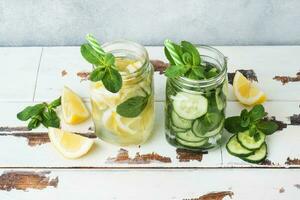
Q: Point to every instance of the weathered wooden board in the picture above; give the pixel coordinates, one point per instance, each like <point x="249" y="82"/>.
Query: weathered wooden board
<point x="247" y="184"/>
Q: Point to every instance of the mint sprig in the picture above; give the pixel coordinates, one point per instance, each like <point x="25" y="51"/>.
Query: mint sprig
<point x="42" y="113"/>
<point x="185" y="60"/>
<point x="104" y="65"/>
<point x="253" y="121"/>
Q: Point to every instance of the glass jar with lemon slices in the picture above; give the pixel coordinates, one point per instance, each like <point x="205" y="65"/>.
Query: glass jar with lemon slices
<point x="126" y="116"/>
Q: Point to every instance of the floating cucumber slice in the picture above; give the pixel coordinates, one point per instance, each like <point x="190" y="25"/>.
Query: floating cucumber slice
<point x="236" y="149"/>
<point x="180" y="122"/>
<point x="220" y="99"/>
<point x="176" y="129"/>
<point x="190" y="106"/>
<point x="258" y="156"/>
<point x="208" y="125"/>
<point x="191" y="144"/>
<point x="189" y="136"/>
<point x="249" y="142"/>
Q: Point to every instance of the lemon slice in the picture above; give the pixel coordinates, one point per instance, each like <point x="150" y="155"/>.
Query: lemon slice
<point x="70" y="145"/>
<point x="74" y="110"/>
<point x="246" y="91"/>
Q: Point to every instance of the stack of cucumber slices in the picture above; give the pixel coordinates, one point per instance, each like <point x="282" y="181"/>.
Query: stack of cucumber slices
<point x="250" y="130"/>
<point x="197" y="121"/>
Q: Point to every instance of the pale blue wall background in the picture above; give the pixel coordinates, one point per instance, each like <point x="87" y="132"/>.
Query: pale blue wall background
<point x="217" y="22"/>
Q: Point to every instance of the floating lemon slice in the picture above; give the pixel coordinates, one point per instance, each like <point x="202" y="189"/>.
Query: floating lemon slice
<point x="74" y="110"/>
<point x="70" y="145"/>
<point x="246" y="91"/>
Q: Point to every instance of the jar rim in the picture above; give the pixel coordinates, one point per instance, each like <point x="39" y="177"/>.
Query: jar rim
<point x="139" y="49"/>
<point x="211" y="81"/>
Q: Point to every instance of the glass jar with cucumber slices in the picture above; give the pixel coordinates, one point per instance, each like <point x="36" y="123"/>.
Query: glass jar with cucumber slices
<point x="122" y="99"/>
<point x="196" y="98"/>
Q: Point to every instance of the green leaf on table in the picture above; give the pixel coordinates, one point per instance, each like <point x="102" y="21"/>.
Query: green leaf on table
<point x="174" y="71"/>
<point x="55" y="103"/>
<point x="252" y="130"/>
<point x="90" y="55"/>
<point x="189" y="47"/>
<point x="132" y="107"/>
<point x="245" y="118"/>
<point x="233" y="124"/>
<point x="50" y="119"/>
<point x="267" y="127"/>
<point x="257" y="113"/>
<point x="30" y="111"/>
<point x="97" y="74"/>
<point x="34" y="122"/>
<point x="112" y="80"/>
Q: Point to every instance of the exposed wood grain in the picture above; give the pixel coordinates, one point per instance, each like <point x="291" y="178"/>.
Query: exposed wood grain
<point x="23" y="180"/>
<point x="123" y="157"/>
<point x="292" y="161"/>
<point x="184" y="155"/>
<point x="286" y="79"/>
<point x="214" y="196"/>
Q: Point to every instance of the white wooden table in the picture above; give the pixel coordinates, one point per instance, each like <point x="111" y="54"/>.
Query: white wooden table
<point x="32" y="169"/>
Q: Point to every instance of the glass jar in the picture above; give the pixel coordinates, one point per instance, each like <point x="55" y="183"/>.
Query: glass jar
<point x="133" y="63"/>
<point x="195" y="109"/>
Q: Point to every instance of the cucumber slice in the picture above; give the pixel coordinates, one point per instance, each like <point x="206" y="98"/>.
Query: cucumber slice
<point x="191" y="144"/>
<point x="180" y="122"/>
<point x="189" y="106"/>
<point x="220" y="100"/>
<point x="189" y="136"/>
<point x="236" y="149"/>
<point x="249" y="142"/>
<point x="258" y="156"/>
<point x="208" y="125"/>
<point x="176" y="129"/>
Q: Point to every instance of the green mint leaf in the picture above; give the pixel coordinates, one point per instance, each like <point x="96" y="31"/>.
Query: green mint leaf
<point x="112" y="80"/>
<point x="90" y="55"/>
<point x="257" y="113"/>
<point x="50" y="119"/>
<point x="245" y="118"/>
<point x="267" y="127"/>
<point x="174" y="71"/>
<point x="109" y="59"/>
<point x="252" y="130"/>
<point x="55" y="103"/>
<point x="233" y="124"/>
<point x="94" y="44"/>
<point x="189" y="47"/>
<point x="167" y="54"/>
<point x="212" y="73"/>
<point x="199" y="72"/>
<point x="187" y="58"/>
<point x="30" y="111"/>
<point x="97" y="74"/>
<point x="175" y="52"/>
<point x="34" y="122"/>
<point x="132" y="107"/>
<point x="256" y="136"/>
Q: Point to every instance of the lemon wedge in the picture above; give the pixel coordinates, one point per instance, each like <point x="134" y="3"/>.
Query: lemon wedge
<point x="73" y="108"/>
<point x="246" y="91"/>
<point x="70" y="145"/>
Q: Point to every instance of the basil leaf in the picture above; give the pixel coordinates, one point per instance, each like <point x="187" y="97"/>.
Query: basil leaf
<point x="257" y="113"/>
<point x="55" y="103"/>
<point x="191" y="75"/>
<point x="212" y="73"/>
<point x="132" y="107"/>
<point x="167" y="53"/>
<point x="187" y="58"/>
<point x="245" y="118"/>
<point x="30" y="111"/>
<point x="174" y="71"/>
<point x="267" y="127"/>
<point x="97" y="74"/>
<point x="199" y="71"/>
<point x="34" y="122"/>
<point x="233" y="124"/>
<point x="175" y="52"/>
<point x="189" y="47"/>
<point x="252" y="130"/>
<point x="50" y="119"/>
<point x="112" y="80"/>
<point x="109" y="59"/>
<point x="90" y="54"/>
